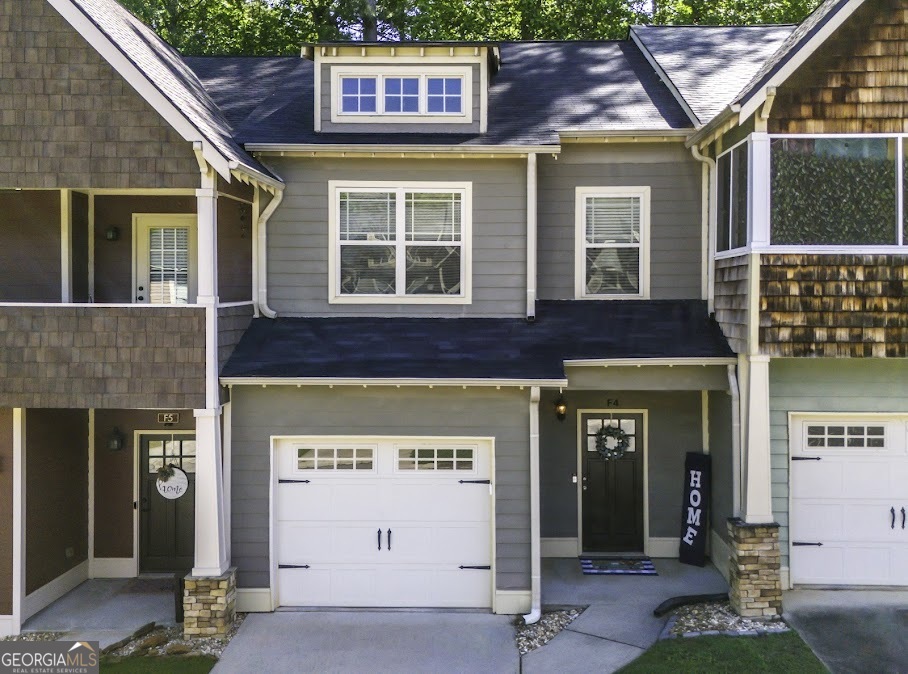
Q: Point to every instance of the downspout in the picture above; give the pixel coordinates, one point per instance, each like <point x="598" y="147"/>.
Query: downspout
<point x="266" y="311"/>
<point x="709" y="207"/>
<point x="535" y="547"/>
<point x="735" y="440"/>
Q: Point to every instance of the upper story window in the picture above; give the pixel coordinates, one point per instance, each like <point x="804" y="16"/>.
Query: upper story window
<point x="400" y="244"/>
<point x="402" y="94"/>
<point x="612" y="242"/>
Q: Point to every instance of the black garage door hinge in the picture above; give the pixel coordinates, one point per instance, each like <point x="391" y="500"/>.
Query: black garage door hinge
<point x="293" y="481"/>
<point x="293" y="566"/>
<point x="475" y="481"/>
<point x="800" y="544"/>
<point x="485" y="568"/>
<point x="807" y="458"/>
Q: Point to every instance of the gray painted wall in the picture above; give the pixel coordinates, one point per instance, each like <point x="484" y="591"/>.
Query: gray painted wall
<point x="673" y="175"/>
<point x="298" y="234"/>
<point x="30" y="254"/>
<point x="260" y="412"/>
<point x="720" y="449"/>
<point x="675" y="428"/>
<point x="825" y="385"/>
<point x="329" y="127"/>
<point x="650" y="378"/>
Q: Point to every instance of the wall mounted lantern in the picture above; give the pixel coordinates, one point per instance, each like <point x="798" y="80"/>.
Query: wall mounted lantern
<point x="561" y="408"/>
<point x="112" y="233"/>
<point x="116" y="441"/>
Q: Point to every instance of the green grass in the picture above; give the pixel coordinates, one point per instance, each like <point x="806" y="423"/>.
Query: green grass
<point x="158" y="665"/>
<point x="773" y="653"/>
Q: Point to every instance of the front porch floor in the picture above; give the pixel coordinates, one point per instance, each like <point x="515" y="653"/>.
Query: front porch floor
<point x="107" y="610"/>
<point x="619" y="624"/>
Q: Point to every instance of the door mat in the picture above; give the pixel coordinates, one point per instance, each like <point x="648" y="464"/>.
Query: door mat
<point x="618" y="566"/>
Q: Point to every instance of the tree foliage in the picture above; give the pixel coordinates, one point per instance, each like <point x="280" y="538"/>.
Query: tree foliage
<point x="281" y="26"/>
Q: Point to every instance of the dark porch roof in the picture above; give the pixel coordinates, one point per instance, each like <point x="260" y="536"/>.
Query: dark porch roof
<point x="476" y="348"/>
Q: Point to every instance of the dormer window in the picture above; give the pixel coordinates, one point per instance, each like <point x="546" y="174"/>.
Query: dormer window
<point x="419" y="94"/>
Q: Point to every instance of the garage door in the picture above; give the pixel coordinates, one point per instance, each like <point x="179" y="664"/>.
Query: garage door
<point x="384" y="523"/>
<point x="849" y="482"/>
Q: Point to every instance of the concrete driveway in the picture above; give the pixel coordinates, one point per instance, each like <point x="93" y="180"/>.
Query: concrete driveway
<point x="372" y="641"/>
<point x="853" y="630"/>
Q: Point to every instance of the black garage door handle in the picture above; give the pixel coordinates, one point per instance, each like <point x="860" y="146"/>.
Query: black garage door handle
<point x="379" y="539"/>
<point x="389" y="540"/>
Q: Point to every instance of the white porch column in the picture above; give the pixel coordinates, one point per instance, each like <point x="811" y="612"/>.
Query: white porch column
<point x="757" y="470"/>
<point x="211" y="557"/>
<point x="760" y="193"/>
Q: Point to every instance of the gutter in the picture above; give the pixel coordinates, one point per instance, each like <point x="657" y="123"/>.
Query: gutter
<point x="710" y="221"/>
<point x="263" y="307"/>
<point x="289" y="149"/>
<point x="535" y="613"/>
<point x="735" y="440"/>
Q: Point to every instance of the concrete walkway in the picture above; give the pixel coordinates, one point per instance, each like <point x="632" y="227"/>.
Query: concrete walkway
<point x="372" y="641"/>
<point x="617" y="627"/>
<point x="107" y="610"/>
<point x="853" y="631"/>
<point x="619" y="624"/>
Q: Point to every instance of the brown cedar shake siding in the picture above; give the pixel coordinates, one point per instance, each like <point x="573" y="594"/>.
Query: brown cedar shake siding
<point x="6" y="511"/>
<point x="105" y="135"/>
<point x="56" y="485"/>
<point x="115" y="476"/>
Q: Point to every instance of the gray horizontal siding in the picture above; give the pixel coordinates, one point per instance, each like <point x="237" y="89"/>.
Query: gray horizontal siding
<point x="825" y="385"/>
<point x="675" y="241"/>
<point x="258" y="413"/>
<point x="298" y="243"/>
<point x="330" y="127"/>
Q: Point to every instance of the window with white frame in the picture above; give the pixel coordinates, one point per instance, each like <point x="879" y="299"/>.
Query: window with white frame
<point x="395" y="244"/>
<point x="612" y="246"/>
<point x="405" y="93"/>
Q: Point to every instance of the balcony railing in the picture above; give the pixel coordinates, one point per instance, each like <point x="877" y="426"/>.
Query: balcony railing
<point x="820" y="192"/>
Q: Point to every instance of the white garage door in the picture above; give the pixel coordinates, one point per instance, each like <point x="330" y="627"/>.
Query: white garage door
<point x="384" y="523"/>
<point x="849" y="482"/>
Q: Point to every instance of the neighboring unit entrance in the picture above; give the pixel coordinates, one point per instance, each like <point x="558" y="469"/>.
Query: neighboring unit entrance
<point x="166" y="526"/>
<point x="384" y="522"/>
<point x="612" y="490"/>
<point x="849" y="500"/>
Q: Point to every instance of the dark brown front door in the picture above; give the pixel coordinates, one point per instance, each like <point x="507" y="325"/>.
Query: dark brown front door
<point x="612" y="489"/>
<point x="166" y="527"/>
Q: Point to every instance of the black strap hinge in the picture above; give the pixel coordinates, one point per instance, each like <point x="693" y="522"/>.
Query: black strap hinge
<point x="293" y="566"/>
<point x="482" y="568"/>
<point x="475" y="481"/>
<point x="807" y="458"/>
<point x="293" y="481"/>
<point x="801" y="544"/>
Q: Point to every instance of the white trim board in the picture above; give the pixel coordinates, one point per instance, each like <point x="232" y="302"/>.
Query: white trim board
<point x="19" y="495"/>
<point x="431" y="383"/>
<point x="254" y="600"/>
<point x="511" y="602"/>
<point x="7" y="626"/>
<point x="47" y="594"/>
<point x="560" y="547"/>
<point x="112" y="567"/>
<point x="720" y="554"/>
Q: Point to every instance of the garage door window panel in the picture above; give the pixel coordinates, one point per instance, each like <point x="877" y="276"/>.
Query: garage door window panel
<point x="846" y="436"/>
<point x="335" y="459"/>
<point x="426" y="459"/>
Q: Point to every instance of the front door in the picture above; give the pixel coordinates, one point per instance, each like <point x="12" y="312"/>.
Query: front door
<point x="612" y="489"/>
<point x="166" y="527"/>
<point x="165" y="258"/>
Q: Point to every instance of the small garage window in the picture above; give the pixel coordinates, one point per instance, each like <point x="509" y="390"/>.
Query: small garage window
<point x="435" y="459"/>
<point x="335" y="458"/>
<point x="846" y="436"/>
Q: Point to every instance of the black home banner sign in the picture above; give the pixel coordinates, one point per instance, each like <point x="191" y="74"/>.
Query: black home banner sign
<point x="695" y="509"/>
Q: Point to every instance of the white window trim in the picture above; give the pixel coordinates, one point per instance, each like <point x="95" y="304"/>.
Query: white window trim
<point x="335" y="187"/>
<point x="582" y="194"/>
<point x="464" y="73"/>
<point x="141" y="223"/>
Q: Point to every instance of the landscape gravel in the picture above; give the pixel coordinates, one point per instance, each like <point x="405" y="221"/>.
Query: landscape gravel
<point x="35" y="636"/>
<point x="719" y="618"/>
<point x="170" y="641"/>
<point x="531" y="637"/>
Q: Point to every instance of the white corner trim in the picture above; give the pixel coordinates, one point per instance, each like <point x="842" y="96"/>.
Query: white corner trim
<point x="719" y="554"/>
<point x="48" y="594"/>
<point x="582" y="193"/>
<point x="666" y="548"/>
<point x="560" y="547"/>
<point x="254" y="600"/>
<point x="511" y="602"/>
<point x="785" y="573"/>
<point x="136" y="78"/>
<point x="112" y="567"/>
<point x="7" y="625"/>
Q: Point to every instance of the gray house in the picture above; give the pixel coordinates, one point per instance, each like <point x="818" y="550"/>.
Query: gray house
<point x="410" y="317"/>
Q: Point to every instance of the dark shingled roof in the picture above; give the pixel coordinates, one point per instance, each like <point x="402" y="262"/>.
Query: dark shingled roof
<point x="477" y="348"/>
<point x="168" y="73"/>
<point x="710" y="65"/>
<point x="542" y="87"/>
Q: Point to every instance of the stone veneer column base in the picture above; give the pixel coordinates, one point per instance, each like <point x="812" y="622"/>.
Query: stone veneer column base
<point x="755" y="569"/>
<point x="209" y="605"/>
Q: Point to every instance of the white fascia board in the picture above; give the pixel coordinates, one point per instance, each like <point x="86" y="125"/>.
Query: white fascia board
<point x="321" y="148"/>
<point x="244" y="173"/>
<point x="332" y="381"/>
<point x="650" y="362"/>
<point x="626" y="135"/>
<point x="752" y="101"/>
<point x="139" y="81"/>
<point x="715" y="125"/>
<point x="666" y="80"/>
